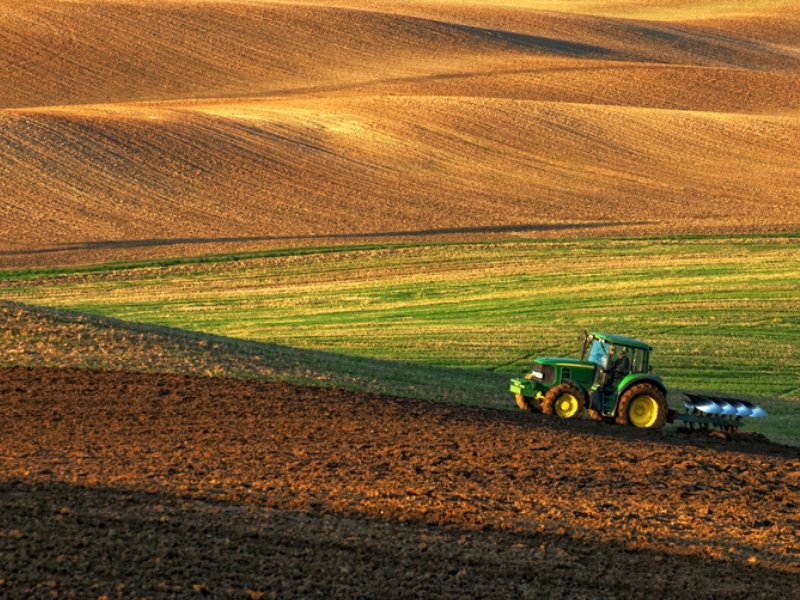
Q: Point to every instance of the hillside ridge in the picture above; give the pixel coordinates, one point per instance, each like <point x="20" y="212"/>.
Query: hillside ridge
<point x="253" y="122"/>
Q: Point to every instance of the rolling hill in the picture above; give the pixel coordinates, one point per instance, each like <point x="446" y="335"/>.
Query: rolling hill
<point x="133" y="130"/>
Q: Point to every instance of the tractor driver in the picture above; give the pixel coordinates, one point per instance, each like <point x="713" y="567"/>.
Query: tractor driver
<point x="617" y="369"/>
<point x="622" y="364"/>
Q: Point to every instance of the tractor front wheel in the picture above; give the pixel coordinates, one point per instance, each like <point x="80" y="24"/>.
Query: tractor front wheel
<point x="643" y="406"/>
<point x="565" y="400"/>
<point x="525" y="403"/>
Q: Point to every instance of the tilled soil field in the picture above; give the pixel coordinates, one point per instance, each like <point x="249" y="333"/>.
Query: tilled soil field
<point x="191" y="128"/>
<point x="137" y="485"/>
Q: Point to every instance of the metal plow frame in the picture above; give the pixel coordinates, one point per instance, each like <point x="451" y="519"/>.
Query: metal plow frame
<point x="705" y="412"/>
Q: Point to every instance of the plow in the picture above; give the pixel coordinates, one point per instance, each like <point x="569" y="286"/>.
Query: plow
<point x="703" y="411"/>
<point x="614" y="382"/>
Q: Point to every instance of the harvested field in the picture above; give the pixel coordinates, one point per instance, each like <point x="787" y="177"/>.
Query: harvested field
<point x="162" y="486"/>
<point x="134" y="129"/>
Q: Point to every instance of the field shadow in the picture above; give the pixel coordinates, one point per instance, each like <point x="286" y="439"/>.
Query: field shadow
<point x="526" y="41"/>
<point x="82" y="540"/>
<point x="723" y="48"/>
<point x="130" y="346"/>
<point x="416" y="233"/>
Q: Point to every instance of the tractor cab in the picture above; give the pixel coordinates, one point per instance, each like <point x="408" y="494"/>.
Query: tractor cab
<point x="618" y="360"/>
<point x="609" y="353"/>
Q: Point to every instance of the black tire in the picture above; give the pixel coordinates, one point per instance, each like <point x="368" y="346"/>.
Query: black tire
<point x="642" y="405"/>
<point x="574" y="395"/>
<point x="595" y="415"/>
<point x="525" y="403"/>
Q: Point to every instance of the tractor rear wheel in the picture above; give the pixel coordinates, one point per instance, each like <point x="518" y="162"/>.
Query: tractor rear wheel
<point x="643" y="406"/>
<point x="564" y="400"/>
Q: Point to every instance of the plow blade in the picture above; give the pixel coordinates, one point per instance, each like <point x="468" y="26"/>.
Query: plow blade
<point x="715" y="405"/>
<point x="704" y="406"/>
<point x="706" y="411"/>
<point x="755" y="409"/>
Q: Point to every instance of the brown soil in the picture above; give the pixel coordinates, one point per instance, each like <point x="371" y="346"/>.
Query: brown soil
<point x="135" y="485"/>
<point x="132" y="129"/>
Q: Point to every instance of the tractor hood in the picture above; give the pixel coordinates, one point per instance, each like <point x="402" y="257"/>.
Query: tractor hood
<point x="560" y="361"/>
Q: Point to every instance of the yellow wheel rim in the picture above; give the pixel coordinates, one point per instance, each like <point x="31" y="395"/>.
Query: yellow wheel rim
<point x="643" y="411"/>
<point x="567" y="406"/>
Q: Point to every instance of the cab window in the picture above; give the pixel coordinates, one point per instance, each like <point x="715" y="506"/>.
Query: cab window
<point x="598" y="353"/>
<point x="638" y="360"/>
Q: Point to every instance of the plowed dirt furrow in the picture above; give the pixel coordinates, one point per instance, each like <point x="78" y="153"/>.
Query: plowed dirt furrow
<point x="224" y="126"/>
<point x="58" y="55"/>
<point x="276" y="456"/>
<point x="373" y="165"/>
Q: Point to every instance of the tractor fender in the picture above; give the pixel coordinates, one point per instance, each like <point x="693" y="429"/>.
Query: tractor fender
<point x="637" y="378"/>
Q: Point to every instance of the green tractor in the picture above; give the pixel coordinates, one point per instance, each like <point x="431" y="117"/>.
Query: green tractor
<point x="614" y="382"/>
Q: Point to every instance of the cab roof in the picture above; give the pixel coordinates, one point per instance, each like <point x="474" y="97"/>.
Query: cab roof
<point x="621" y="340"/>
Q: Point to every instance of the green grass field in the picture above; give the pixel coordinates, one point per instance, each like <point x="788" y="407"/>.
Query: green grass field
<point x="723" y="313"/>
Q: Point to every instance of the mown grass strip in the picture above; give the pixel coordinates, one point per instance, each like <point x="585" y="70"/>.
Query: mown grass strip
<point x="37" y="273"/>
<point x="43" y="272"/>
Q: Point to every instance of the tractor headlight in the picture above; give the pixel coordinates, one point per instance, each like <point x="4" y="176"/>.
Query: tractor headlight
<point x="537" y="374"/>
